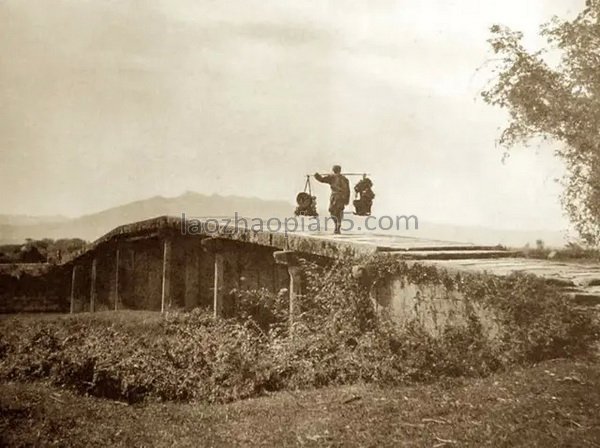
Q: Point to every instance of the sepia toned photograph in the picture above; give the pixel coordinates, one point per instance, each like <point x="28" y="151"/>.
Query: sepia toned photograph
<point x="316" y="223"/>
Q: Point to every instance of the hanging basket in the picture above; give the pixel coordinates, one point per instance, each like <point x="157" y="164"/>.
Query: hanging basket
<point x="304" y="199"/>
<point x="364" y="197"/>
<point x="307" y="203"/>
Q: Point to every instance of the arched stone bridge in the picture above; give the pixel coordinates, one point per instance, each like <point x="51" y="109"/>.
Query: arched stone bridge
<point x="158" y="264"/>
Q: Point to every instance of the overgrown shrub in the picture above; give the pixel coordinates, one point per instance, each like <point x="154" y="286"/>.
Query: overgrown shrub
<point x="536" y="320"/>
<point x="336" y="338"/>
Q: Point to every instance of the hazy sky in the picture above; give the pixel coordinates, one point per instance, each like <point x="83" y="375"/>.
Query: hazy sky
<point x="104" y="102"/>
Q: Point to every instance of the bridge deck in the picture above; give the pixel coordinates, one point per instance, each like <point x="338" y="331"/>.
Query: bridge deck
<point x="582" y="280"/>
<point x="315" y="243"/>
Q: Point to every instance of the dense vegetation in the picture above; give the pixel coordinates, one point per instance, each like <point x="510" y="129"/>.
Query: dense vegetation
<point x="37" y="251"/>
<point x="570" y="252"/>
<point x="337" y="338"/>
<point x="554" y="93"/>
<point x="552" y="404"/>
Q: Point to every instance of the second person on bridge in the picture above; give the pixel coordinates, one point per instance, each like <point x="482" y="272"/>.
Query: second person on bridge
<point x="340" y="194"/>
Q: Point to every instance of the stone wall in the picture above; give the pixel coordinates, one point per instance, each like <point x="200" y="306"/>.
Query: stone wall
<point x="433" y="306"/>
<point x="189" y="274"/>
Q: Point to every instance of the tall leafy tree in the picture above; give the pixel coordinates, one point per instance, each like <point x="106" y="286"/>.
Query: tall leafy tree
<point x="555" y="93"/>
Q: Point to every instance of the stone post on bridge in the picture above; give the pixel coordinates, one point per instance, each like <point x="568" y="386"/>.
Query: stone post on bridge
<point x="364" y="275"/>
<point x="290" y="259"/>
<point x="93" y="285"/>
<point x="165" y="301"/>
<point x="116" y="279"/>
<point x="73" y="285"/>
<point x="192" y="280"/>
<point x="216" y="247"/>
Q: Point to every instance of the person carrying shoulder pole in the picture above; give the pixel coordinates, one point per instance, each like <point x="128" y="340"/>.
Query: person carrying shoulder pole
<point x="340" y="194"/>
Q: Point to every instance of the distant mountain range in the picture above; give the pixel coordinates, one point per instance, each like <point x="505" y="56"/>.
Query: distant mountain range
<point x="24" y="220"/>
<point x="16" y="228"/>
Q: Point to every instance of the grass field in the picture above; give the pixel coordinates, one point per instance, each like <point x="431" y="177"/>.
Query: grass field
<point x="556" y="403"/>
<point x="185" y="379"/>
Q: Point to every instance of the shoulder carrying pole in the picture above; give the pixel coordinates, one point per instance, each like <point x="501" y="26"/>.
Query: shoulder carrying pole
<point x="345" y="174"/>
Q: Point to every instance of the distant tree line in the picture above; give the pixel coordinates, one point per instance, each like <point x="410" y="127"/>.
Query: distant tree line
<point x="40" y="251"/>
